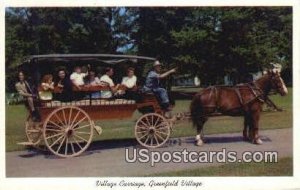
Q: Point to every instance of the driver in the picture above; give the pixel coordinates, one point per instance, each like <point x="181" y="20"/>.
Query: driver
<point x="153" y="84"/>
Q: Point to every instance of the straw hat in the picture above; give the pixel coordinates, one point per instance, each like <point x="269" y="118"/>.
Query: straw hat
<point x="156" y="63"/>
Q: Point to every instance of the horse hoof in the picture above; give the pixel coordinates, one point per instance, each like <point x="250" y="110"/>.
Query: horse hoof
<point x="199" y="142"/>
<point x="198" y="137"/>
<point x="257" y="141"/>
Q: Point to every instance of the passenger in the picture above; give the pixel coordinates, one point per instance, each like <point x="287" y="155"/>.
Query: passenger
<point x="130" y="83"/>
<point x="25" y="90"/>
<point x="77" y="78"/>
<point x="153" y="84"/>
<point x="130" y="80"/>
<point x="46" y="88"/>
<point x="92" y="80"/>
<point x="106" y="78"/>
<point x="65" y="86"/>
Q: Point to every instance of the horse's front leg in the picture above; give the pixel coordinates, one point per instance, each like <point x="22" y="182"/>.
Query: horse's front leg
<point x="255" y="116"/>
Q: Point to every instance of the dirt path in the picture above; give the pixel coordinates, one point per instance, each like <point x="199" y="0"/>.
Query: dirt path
<point x="107" y="158"/>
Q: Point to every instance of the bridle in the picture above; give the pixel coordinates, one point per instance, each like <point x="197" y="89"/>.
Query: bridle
<point x="276" y="83"/>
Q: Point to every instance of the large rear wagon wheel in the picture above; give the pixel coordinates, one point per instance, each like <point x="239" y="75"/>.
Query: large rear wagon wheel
<point x="152" y="130"/>
<point x="68" y="131"/>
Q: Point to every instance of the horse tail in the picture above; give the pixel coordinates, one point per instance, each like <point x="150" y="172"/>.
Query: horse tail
<point x="196" y="110"/>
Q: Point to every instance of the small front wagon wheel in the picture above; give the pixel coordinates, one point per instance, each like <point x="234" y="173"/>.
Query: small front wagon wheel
<point x="152" y="130"/>
<point x="33" y="131"/>
<point x="68" y="131"/>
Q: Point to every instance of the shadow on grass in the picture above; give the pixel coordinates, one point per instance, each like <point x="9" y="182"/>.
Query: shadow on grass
<point x="94" y="148"/>
<point x="97" y="146"/>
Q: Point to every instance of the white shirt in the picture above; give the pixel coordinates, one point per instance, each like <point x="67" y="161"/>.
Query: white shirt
<point x="95" y="82"/>
<point x="107" y="93"/>
<point x="77" y="78"/>
<point x="129" y="82"/>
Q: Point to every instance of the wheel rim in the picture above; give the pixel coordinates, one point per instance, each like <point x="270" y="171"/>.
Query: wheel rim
<point x="68" y="131"/>
<point x="152" y="130"/>
<point x="33" y="131"/>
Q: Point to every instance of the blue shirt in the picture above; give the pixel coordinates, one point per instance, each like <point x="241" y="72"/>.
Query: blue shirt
<point x="152" y="80"/>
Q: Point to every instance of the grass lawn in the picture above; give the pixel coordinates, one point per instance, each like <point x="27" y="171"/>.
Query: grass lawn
<point x="284" y="167"/>
<point x="120" y="129"/>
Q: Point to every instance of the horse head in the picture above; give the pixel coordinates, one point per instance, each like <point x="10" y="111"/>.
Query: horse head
<point x="277" y="82"/>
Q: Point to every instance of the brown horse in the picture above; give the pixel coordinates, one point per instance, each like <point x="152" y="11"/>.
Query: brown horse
<point x="240" y="100"/>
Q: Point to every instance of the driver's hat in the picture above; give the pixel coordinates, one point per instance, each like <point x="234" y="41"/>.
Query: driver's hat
<point x="156" y="63"/>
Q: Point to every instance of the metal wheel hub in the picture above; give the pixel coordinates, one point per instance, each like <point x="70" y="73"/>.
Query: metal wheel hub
<point x="69" y="131"/>
<point x="151" y="130"/>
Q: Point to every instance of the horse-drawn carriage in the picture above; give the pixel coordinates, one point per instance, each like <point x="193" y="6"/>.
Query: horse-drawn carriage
<point x="66" y="128"/>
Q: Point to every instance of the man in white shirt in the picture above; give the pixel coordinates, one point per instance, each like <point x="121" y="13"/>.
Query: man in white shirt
<point x="77" y="77"/>
<point x="106" y="78"/>
<point x="130" y="80"/>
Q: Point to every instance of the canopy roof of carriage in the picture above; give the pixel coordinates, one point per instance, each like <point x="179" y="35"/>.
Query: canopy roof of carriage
<point x="105" y="59"/>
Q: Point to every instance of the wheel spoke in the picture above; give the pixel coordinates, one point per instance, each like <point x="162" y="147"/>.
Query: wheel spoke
<point x="142" y="128"/>
<point x="160" y="137"/>
<point x="152" y="119"/>
<point x="72" y="147"/>
<point x="147" y="121"/>
<point x="64" y="115"/>
<point x="57" y="140"/>
<point x="55" y="130"/>
<point x="162" y="133"/>
<point x="155" y="138"/>
<point x="162" y="129"/>
<point x="66" y="147"/>
<point x="77" y="142"/>
<point x="58" y="134"/>
<point x="81" y="132"/>
<point x="74" y="119"/>
<point x="70" y="114"/>
<point x="147" y="139"/>
<point x="140" y="132"/>
<point x="143" y="136"/>
<point x="144" y="123"/>
<point x="79" y="122"/>
<point x="61" y="143"/>
<point x="81" y="138"/>
<point x="55" y="124"/>
<point x="33" y="130"/>
<point x="151" y="141"/>
<point x="157" y="119"/>
<point x="58" y="118"/>
<point x="84" y="126"/>
<point x="160" y="125"/>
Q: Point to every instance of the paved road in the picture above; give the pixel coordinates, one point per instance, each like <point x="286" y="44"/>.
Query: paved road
<point x="107" y="158"/>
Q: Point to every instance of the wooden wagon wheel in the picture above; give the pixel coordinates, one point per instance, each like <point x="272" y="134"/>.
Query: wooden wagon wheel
<point x="152" y="130"/>
<point x="33" y="131"/>
<point x="68" y="131"/>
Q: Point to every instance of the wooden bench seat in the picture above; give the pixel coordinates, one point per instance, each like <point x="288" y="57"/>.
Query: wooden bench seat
<point x="92" y="102"/>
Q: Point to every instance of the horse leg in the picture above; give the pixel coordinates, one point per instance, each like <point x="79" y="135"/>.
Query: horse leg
<point x="246" y="127"/>
<point x="200" y="135"/>
<point x="255" y="126"/>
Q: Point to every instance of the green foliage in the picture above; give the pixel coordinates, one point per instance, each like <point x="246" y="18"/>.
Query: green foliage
<point x="31" y="31"/>
<point x="211" y="42"/>
<point x="206" y="41"/>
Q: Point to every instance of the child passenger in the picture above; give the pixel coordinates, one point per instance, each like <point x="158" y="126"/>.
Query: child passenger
<point x="46" y="88"/>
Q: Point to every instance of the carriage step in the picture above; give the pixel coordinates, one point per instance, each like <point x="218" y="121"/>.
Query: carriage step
<point x="98" y="129"/>
<point x="25" y="143"/>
